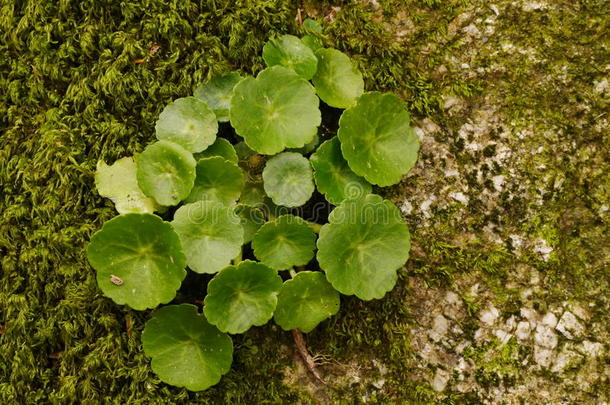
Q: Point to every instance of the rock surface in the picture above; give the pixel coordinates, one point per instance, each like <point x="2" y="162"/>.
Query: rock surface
<point x="509" y="299"/>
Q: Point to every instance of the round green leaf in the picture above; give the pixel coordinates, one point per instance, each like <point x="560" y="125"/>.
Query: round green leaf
<point x="138" y="259"/>
<point x="290" y="52"/>
<point x="312" y="42"/>
<point x="284" y="242"/>
<point x="363" y="246"/>
<point x="338" y="82"/>
<point x="166" y="172"/>
<point x="242" y="296"/>
<point x="305" y="301"/>
<point x="211" y="235"/>
<point x="311" y="25"/>
<point x="217" y="94"/>
<point x="276" y="110"/>
<point x="252" y="218"/>
<point x="243" y="151"/>
<point x="217" y="180"/>
<point x="119" y="183"/>
<point x="186" y="351"/>
<point x="333" y="176"/>
<point x="310" y="147"/>
<point x="288" y="179"/>
<point x="253" y="194"/>
<point x="189" y="123"/>
<point x="221" y="147"/>
<point x="377" y="140"/>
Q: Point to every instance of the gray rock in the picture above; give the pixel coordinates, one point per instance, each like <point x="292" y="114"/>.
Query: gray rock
<point x="543" y="356"/>
<point x="440" y="327"/>
<point x="569" y="326"/>
<point x="490" y="315"/>
<point x="545" y="337"/>
<point x="441" y="378"/>
<point x="549" y="319"/>
<point x="523" y="331"/>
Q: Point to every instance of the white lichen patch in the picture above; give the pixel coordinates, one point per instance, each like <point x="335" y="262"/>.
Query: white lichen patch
<point x="513" y="347"/>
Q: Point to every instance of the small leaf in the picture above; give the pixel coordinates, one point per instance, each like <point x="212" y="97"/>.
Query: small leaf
<point x="166" y="172"/>
<point x="305" y="301"/>
<point x="288" y="179"/>
<point x="221" y="147"/>
<point x="242" y="296"/>
<point x="310" y="147"/>
<point x="363" y="246"/>
<point x="338" y="82"/>
<point x="312" y="25"/>
<point x="119" y="183"/>
<point x="252" y="218"/>
<point x="276" y="110"/>
<point x="243" y="151"/>
<point x="217" y="180"/>
<point x="333" y="176"/>
<point x="290" y="52"/>
<point x="377" y="140"/>
<point x="253" y="194"/>
<point x="312" y="42"/>
<point x="144" y="253"/>
<point x="189" y="123"/>
<point x="217" y="94"/>
<point x="211" y="235"/>
<point x="186" y="351"/>
<point x="284" y="242"/>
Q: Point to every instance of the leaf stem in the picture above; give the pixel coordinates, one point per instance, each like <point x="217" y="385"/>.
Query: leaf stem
<point x="299" y="341"/>
<point x="293" y="273"/>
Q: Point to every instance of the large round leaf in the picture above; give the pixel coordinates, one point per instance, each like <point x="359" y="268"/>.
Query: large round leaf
<point x="221" y="147"/>
<point x="119" y="183"/>
<point x="217" y="94"/>
<point x="284" y="242"/>
<point x="189" y="123"/>
<point x="363" y="246"/>
<point x="138" y="259"/>
<point x="288" y="179"/>
<point x="276" y="110"/>
<point x="186" y="350"/>
<point x="211" y="235"/>
<point x="242" y="296"/>
<point x="166" y="172"/>
<point x="333" y="176"/>
<point x="338" y="81"/>
<point x="377" y="140"/>
<point x="305" y="301"/>
<point x="217" y="180"/>
<point x="290" y="52"/>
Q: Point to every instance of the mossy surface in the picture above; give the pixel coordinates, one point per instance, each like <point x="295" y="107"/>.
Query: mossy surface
<point x="510" y="195"/>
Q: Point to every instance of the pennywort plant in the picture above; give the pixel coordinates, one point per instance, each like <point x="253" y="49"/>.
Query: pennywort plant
<point x="274" y="210"/>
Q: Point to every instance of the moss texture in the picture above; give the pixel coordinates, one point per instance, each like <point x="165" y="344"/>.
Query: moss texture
<point x="81" y="81"/>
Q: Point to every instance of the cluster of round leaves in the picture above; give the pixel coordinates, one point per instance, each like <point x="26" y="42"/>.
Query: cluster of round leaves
<point x="227" y="196"/>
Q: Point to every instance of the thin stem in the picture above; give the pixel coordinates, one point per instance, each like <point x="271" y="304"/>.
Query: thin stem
<point x="293" y="273"/>
<point x="299" y="341"/>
